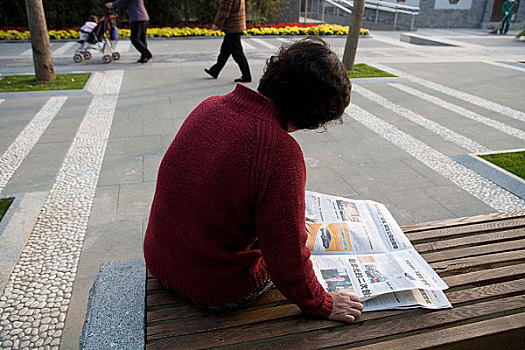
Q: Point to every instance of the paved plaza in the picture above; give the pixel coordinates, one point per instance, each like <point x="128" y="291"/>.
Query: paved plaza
<point x="82" y="165"/>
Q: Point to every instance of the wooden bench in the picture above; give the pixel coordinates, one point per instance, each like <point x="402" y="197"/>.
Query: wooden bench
<point x="481" y="258"/>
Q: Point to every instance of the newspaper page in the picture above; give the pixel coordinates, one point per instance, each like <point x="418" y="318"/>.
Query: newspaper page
<point x="358" y="248"/>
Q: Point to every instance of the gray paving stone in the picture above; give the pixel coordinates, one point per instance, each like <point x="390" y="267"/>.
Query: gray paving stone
<point x="104" y="209"/>
<point x="162" y="126"/>
<point x="121" y="169"/>
<point x="151" y="166"/>
<point x="135" y="200"/>
<point x="140" y="145"/>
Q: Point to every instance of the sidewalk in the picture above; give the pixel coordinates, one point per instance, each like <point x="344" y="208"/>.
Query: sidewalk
<point x="87" y="178"/>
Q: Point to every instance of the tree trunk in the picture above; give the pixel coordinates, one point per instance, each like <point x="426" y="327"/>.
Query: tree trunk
<point x="356" y="18"/>
<point x="42" y="60"/>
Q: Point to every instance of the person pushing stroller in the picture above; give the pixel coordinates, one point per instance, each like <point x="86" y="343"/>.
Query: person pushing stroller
<point x="93" y="37"/>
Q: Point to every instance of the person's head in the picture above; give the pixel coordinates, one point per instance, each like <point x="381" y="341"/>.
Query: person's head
<point x="308" y="84"/>
<point x="93" y="18"/>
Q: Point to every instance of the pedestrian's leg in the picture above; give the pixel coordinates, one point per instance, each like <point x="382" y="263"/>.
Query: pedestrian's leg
<point x="137" y="29"/>
<point x="506" y="25"/>
<point x="224" y="54"/>
<point x="239" y="57"/>
<point x="142" y="38"/>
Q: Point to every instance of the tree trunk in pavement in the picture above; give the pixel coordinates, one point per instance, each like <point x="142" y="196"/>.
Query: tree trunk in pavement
<point x="356" y="18"/>
<point x="42" y="60"/>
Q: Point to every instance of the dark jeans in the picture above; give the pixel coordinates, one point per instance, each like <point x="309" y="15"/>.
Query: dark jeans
<point x="138" y="38"/>
<point x="231" y="45"/>
<point x="239" y="304"/>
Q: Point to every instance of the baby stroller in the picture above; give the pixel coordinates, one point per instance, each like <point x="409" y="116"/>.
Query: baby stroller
<point x="98" y="40"/>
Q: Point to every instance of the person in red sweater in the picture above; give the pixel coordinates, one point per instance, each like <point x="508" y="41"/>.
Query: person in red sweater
<point x="229" y="206"/>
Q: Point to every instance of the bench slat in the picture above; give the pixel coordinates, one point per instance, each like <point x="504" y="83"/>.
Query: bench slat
<point x="225" y="320"/>
<point x="499" y="274"/>
<point x="507" y="216"/>
<point x="346" y="335"/>
<point x="477" y="261"/>
<point x="471" y="240"/>
<point x="487" y="334"/>
<point x="474" y="251"/>
<point x="488" y="291"/>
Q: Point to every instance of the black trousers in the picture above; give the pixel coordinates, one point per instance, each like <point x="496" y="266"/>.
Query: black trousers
<point x="231" y="45"/>
<point x="138" y="37"/>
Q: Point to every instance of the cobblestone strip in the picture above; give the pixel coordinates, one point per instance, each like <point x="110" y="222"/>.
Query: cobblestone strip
<point x="36" y="298"/>
<point x="475" y="100"/>
<point x="437" y="128"/>
<point x="26" y="140"/>
<point x="483" y="189"/>
<point x="509" y="130"/>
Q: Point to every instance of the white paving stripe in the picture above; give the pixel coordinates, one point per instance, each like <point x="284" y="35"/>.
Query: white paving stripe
<point x="478" y="101"/>
<point x="264" y="43"/>
<point x="27" y="52"/>
<point x="437" y="128"/>
<point x="509" y="66"/>
<point x="509" y="130"/>
<point x="483" y="189"/>
<point x="1" y="101"/>
<point x="35" y="301"/>
<point x="62" y="49"/>
<point x="248" y="46"/>
<point x="123" y="46"/>
<point x="26" y="140"/>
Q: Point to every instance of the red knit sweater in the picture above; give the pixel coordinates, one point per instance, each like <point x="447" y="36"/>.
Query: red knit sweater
<point x="229" y="207"/>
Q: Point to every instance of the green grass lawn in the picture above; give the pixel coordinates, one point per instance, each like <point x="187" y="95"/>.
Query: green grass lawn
<point x="365" y="71"/>
<point x="18" y="83"/>
<point x="512" y="162"/>
<point x="4" y="205"/>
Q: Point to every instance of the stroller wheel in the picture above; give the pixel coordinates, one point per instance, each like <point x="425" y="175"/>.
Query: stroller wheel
<point x="107" y="59"/>
<point x="115" y="55"/>
<point x="87" y="55"/>
<point x="77" y="58"/>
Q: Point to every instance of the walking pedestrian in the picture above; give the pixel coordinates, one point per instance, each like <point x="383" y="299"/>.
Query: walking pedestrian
<point x="506" y="15"/>
<point x="138" y="20"/>
<point x="231" y="20"/>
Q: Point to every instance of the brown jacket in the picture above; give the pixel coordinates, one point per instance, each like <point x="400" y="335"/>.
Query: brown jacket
<point x="230" y="16"/>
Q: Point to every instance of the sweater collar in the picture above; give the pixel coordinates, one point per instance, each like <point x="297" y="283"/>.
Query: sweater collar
<point x="253" y="103"/>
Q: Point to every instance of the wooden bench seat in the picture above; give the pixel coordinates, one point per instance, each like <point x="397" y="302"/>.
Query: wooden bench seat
<point x="481" y="258"/>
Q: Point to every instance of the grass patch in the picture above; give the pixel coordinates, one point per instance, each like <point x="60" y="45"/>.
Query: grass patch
<point x="18" y="83"/>
<point x="365" y="71"/>
<point x="512" y="162"/>
<point x="4" y="205"/>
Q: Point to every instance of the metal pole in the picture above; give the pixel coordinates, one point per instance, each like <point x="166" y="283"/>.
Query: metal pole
<point x="412" y="22"/>
<point x="377" y="12"/>
<point x="395" y="18"/>
<point x="305" y="10"/>
<point x="322" y="15"/>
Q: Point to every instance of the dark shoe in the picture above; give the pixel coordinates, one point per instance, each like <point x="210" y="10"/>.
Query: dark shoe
<point x="146" y="59"/>
<point x="243" y="80"/>
<point x="214" y="76"/>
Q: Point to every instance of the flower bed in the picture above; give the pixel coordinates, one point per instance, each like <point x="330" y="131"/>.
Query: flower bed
<point x="185" y="31"/>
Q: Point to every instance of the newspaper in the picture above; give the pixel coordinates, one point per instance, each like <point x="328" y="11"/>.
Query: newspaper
<point x="358" y="248"/>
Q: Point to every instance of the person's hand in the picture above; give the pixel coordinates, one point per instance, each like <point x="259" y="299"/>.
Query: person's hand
<point x="109" y="5"/>
<point x="214" y="27"/>
<point x="346" y="307"/>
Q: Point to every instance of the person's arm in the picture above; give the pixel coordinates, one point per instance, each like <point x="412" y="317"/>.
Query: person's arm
<point x="223" y="13"/>
<point x="117" y="4"/>
<point x="280" y="220"/>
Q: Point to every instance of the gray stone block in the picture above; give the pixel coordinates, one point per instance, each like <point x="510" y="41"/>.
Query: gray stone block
<point x="115" y="317"/>
<point x="508" y="181"/>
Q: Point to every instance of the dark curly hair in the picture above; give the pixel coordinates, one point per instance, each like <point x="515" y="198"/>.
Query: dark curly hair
<point x="308" y="84"/>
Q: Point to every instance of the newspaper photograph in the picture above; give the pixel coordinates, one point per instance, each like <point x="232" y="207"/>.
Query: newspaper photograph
<point x="358" y="248"/>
